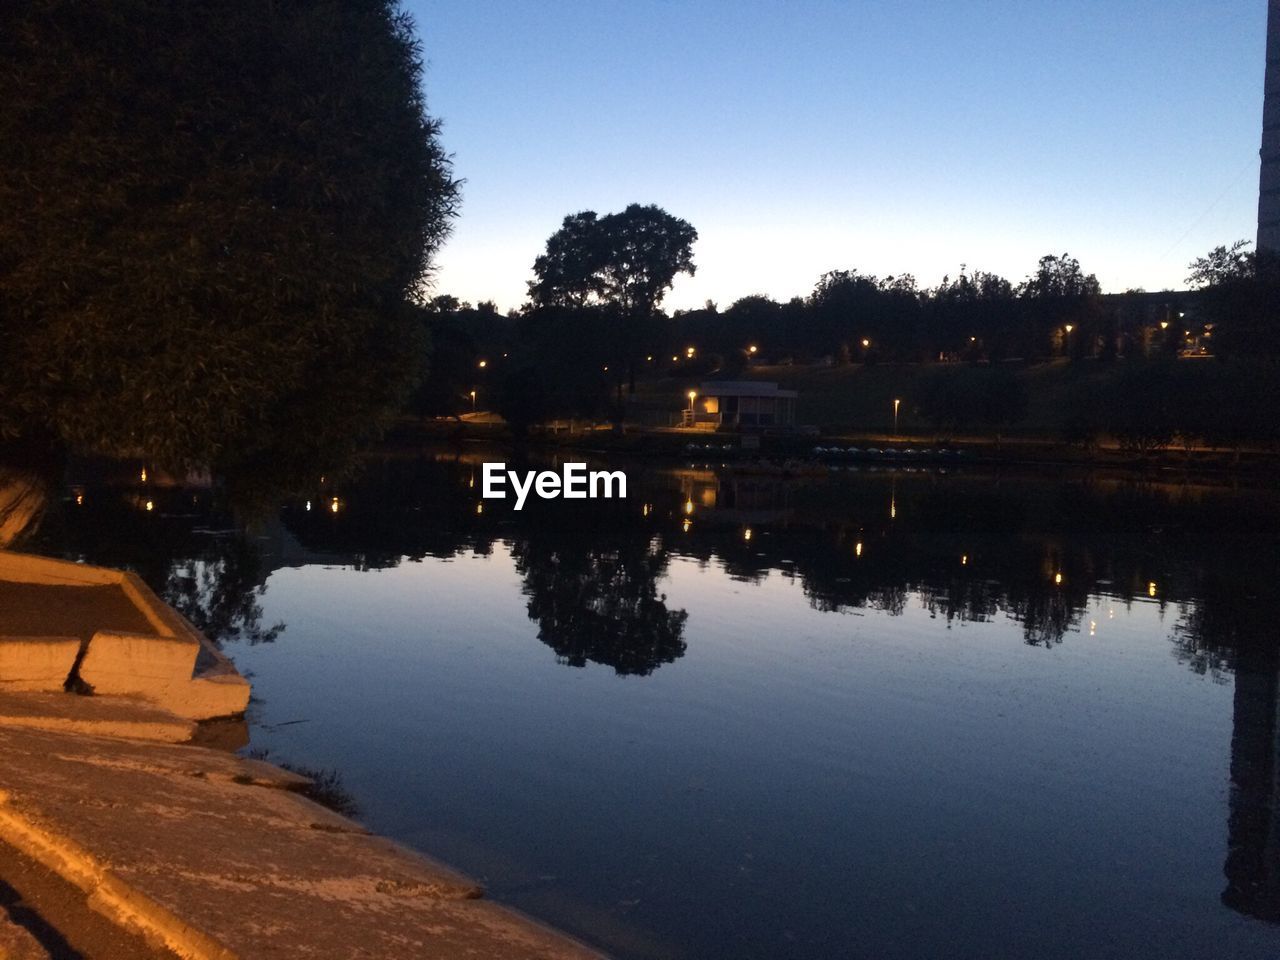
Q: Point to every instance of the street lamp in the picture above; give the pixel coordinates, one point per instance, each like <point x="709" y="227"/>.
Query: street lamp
<point x="752" y="349"/>
<point x="865" y="343"/>
<point x="693" y="395"/>
<point x="689" y="353"/>
<point x="473" y="401"/>
<point x="482" y="364"/>
<point x="895" y="416"/>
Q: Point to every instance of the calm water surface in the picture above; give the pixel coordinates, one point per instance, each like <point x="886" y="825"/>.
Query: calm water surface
<point x="879" y="714"/>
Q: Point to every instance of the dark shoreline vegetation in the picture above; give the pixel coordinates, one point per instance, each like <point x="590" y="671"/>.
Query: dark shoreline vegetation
<point x="256" y="305"/>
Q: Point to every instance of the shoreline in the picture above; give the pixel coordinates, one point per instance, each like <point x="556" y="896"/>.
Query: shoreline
<point x="201" y="852"/>
<point x="668" y="445"/>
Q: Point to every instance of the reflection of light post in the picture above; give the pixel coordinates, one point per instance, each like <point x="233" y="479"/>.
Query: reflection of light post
<point x="895" y="416"/>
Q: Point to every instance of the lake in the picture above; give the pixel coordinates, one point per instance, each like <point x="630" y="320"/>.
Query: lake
<point x="890" y="713"/>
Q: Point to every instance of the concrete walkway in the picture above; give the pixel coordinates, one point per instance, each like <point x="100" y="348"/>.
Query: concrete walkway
<point x="214" y="856"/>
<point x="16" y="943"/>
<point x="196" y="851"/>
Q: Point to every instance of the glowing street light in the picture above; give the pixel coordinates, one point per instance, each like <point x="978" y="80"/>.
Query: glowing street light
<point x="689" y="351"/>
<point x="473" y="401"/>
<point x="752" y="349"/>
<point x="896" y="402"/>
<point x="865" y="343"/>
<point x="693" y="395"/>
<point x="482" y="364"/>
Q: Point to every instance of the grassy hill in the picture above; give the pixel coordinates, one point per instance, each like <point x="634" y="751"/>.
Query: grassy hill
<point x="859" y="399"/>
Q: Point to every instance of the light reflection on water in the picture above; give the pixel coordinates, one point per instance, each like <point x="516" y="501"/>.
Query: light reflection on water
<point x="909" y="716"/>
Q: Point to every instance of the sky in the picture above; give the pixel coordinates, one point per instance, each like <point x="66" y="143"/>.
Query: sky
<point x="895" y="136"/>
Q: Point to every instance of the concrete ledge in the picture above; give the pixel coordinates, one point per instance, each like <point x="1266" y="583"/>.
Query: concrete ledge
<point x="136" y="663"/>
<point x="29" y="568"/>
<point x="37" y="663"/>
<point x="135" y="644"/>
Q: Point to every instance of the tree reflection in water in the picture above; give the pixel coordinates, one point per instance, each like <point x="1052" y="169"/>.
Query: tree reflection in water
<point x="967" y="547"/>
<point x="593" y="591"/>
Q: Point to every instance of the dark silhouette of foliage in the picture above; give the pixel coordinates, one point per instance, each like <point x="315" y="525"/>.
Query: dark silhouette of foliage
<point x="591" y="585"/>
<point x="623" y="264"/>
<point x="1240" y="298"/>
<point x="221" y="594"/>
<point x="1143" y="411"/>
<point x="559" y="371"/>
<point x="953" y="398"/>
<point x="214" y="216"/>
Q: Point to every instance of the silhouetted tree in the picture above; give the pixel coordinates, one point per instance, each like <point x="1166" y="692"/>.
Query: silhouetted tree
<point x="972" y="316"/>
<point x="1222" y="265"/>
<point x="1239" y="299"/>
<point x="1057" y="294"/>
<point x="624" y="263"/>
<point x="955" y="397"/>
<point x="1144" y="407"/>
<point x="214" y="216"/>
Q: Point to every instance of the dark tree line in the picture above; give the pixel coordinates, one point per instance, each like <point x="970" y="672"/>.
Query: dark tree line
<point x="581" y="338"/>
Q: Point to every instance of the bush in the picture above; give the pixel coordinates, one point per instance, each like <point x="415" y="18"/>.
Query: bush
<point x="214" y="215"/>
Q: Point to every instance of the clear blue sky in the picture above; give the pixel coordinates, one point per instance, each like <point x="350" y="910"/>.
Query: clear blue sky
<point x="800" y="136"/>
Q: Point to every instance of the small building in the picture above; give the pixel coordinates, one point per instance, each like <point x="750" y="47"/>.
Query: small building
<point x="739" y="404"/>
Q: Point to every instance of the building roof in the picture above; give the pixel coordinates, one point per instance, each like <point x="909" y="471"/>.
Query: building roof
<point x="744" y="388"/>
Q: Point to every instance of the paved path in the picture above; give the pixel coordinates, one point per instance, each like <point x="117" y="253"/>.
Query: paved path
<point x="216" y="857"/>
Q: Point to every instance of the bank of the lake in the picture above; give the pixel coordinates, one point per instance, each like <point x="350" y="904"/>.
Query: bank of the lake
<point x="112" y="802"/>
